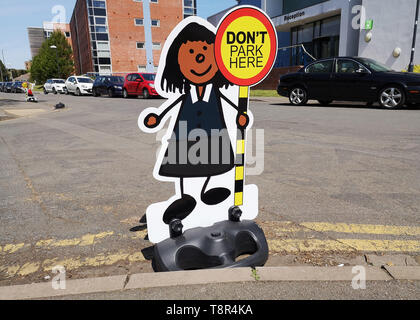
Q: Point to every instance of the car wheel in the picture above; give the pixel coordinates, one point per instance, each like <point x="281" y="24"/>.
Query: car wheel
<point x="110" y="93"/>
<point x="125" y="94"/>
<point x="95" y="93"/>
<point x="391" y="97"/>
<point x="78" y="92"/>
<point x="146" y="94"/>
<point x="324" y="102"/>
<point x="66" y="91"/>
<point x="298" y="96"/>
<point x="54" y="91"/>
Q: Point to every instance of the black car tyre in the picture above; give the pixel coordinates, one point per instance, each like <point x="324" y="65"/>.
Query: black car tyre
<point x="391" y="97"/>
<point x="146" y="94"/>
<point x="324" y="102"/>
<point x="110" y="93"/>
<point x="78" y="92"/>
<point x="95" y="93"/>
<point x="54" y="91"/>
<point x="298" y="96"/>
<point x="125" y="94"/>
<point x="65" y="90"/>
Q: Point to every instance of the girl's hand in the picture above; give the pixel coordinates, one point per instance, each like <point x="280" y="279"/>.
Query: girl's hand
<point x="151" y="121"/>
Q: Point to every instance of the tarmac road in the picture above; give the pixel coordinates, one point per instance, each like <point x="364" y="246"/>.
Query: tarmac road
<point x="339" y="182"/>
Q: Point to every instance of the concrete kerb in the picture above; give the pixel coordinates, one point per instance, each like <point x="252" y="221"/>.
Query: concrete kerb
<point x="197" y="277"/>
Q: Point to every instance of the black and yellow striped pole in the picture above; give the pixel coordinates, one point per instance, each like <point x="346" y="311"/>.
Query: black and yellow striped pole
<point x="240" y="147"/>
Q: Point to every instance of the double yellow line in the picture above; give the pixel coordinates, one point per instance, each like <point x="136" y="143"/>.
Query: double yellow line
<point x="280" y="237"/>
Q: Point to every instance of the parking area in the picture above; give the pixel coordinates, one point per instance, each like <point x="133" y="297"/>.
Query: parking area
<point x="339" y="182"/>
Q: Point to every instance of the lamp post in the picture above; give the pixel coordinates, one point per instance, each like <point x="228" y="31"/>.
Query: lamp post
<point x="416" y="20"/>
<point x="56" y="54"/>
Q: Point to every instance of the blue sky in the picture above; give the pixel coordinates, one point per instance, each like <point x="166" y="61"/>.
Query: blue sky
<point x="16" y="16"/>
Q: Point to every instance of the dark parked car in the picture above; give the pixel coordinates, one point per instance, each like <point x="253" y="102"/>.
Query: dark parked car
<point x="17" y="87"/>
<point x="8" y="87"/>
<point x="143" y="84"/>
<point x="110" y="85"/>
<point x="1" y="86"/>
<point x="350" y="79"/>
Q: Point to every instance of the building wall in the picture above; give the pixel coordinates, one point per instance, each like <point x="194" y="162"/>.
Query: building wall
<point x="392" y="27"/>
<point x="349" y="37"/>
<point x="79" y="28"/>
<point x="124" y="34"/>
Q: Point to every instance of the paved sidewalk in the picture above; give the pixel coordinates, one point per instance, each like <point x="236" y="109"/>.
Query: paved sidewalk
<point x="265" y="275"/>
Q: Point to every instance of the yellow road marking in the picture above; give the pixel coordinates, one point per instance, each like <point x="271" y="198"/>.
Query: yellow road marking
<point x="362" y="228"/>
<point x="72" y="263"/>
<point x="275" y="246"/>
<point x="85" y="240"/>
<point x="383" y="245"/>
<point x="11" y="248"/>
<point x="343" y="245"/>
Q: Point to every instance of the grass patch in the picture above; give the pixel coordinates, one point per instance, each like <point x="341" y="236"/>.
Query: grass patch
<point x="264" y="93"/>
<point x="38" y="88"/>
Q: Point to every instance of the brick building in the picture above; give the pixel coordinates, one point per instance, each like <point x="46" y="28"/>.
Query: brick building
<point x="38" y="35"/>
<point x="121" y="36"/>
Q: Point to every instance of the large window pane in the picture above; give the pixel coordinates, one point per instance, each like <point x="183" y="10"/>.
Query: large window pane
<point x="330" y="27"/>
<point x="99" y="12"/>
<point x="99" y="4"/>
<point x="102" y="36"/>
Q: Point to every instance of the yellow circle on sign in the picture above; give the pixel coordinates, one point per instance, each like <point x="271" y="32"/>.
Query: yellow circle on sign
<point x="245" y="53"/>
<point x="24" y="85"/>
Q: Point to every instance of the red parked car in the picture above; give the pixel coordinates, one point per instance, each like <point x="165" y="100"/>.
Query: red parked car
<point x="140" y="84"/>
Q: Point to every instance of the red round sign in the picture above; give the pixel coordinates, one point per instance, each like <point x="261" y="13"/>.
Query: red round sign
<point x="246" y="46"/>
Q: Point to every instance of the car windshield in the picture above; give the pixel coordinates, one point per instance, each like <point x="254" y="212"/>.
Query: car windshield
<point x="84" y="80"/>
<point x="117" y="80"/>
<point x="375" y="65"/>
<point x="149" y="76"/>
<point x="58" y="81"/>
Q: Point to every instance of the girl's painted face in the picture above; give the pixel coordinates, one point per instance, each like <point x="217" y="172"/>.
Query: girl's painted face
<point x="196" y="61"/>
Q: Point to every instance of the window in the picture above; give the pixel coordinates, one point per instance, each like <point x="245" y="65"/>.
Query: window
<point x="154" y="1"/>
<point x="103" y="45"/>
<point x="155" y="23"/>
<point x="320" y="67"/>
<point x="156" y="46"/>
<point x="104" y="61"/>
<point x="67" y="34"/>
<point x="347" y="66"/>
<point x="140" y="45"/>
<point x="102" y="36"/>
<point x="104" y="54"/>
<point x="100" y="20"/>
<point x="100" y="12"/>
<point x="141" y="68"/>
<point x="149" y="76"/>
<point x="101" y="29"/>
<point x="99" y="4"/>
<point x="138" y="22"/>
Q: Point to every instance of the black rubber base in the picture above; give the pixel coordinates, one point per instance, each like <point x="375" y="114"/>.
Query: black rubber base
<point x="226" y="244"/>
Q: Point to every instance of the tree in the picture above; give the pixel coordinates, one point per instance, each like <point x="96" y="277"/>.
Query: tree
<point x="53" y="63"/>
<point x="4" y="71"/>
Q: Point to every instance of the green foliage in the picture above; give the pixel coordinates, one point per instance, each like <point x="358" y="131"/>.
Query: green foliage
<point x="53" y="63"/>
<point x="4" y="72"/>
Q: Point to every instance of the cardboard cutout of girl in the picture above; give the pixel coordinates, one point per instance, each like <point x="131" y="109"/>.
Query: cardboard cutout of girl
<point x="197" y="144"/>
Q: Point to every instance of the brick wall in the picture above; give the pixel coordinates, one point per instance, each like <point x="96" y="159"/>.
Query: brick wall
<point x="79" y="28"/>
<point x="124" y="33"/>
